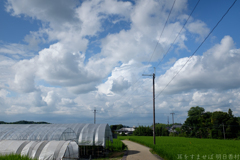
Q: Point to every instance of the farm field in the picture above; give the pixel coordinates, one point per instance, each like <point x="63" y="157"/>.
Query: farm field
<point x="174" y="148"/>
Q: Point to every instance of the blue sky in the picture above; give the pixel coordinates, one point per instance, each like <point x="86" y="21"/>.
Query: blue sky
<point x="59" y="60"/>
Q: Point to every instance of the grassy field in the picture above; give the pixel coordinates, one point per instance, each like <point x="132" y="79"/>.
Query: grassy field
<point x="174" y="148"/>
<point x="14" y="157"/>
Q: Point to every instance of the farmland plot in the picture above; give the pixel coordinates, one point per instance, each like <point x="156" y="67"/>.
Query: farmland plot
<point x="181" y="148"/>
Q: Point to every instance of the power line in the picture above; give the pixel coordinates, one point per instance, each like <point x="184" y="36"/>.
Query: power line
<point x="162" y="32"/>
<point x="172" y="42"/>
<point x="178" y="34"/>
<point x="189" y="57"/>
<point x="198" y="47"/>
<point x="155" y="46"/>
<point x="174" y="39"/>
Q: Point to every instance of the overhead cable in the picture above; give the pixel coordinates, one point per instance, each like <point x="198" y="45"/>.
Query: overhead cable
<point x="178" y="34"/>
<point x="197" y="48"/>
<point x="162" y="32"/>
<point x="156" y="44"/>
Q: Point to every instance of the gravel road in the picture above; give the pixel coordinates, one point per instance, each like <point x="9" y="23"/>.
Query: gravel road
<point x="139" y="152"/>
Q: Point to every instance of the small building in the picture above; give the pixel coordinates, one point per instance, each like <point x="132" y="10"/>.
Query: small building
<point x="126" y="130"/>
<point x="172" y="129"/>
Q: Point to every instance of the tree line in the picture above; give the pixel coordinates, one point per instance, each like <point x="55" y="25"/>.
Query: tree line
<point x="160" y="130"/>
<point x="23" y="122"/>
<point x="217" y="125"/>
<point x="199" y="124"/>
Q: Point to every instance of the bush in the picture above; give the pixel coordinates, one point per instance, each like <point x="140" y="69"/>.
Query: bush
<point x="117" y="145"/>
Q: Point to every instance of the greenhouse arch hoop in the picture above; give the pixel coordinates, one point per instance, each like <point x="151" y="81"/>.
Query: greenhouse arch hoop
<point x="83" y="134"/>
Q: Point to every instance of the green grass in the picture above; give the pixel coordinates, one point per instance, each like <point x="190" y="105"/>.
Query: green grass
<point x="174" y="148"/>
<point x="14" y="157"/>
<point x="117" y="145"/>
<point x="117" y="150"/>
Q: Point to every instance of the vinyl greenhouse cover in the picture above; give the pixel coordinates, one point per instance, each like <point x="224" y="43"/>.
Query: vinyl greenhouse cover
<point x="42" y="150"/>
<point x="83" y="134"/>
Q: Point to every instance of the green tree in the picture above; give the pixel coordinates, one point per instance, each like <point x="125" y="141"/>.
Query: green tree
<point x="225" y="122"/>
<point x="116" y="127"/>
<point x="205" y="125"/>
<point x="219" y="119"/>
<point x="202" y="124"/>
<point x="230" y="113"/>
<point x="143" y="131"/>
<point x="195" y="111"/>
<point x="192" y="123"/>
<point x="232" y="127"/>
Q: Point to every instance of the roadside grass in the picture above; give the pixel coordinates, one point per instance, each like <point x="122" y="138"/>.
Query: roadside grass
<point x="174" y="148"/>
<point x="14" y="157"/>
<point x="117" y="149"/>
<point x="117" y="145"/>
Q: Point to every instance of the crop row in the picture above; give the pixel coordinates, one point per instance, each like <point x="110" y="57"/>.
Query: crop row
<point x="174" y="148"/>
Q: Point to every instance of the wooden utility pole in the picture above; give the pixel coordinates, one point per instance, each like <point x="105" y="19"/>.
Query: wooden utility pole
<point x="95" y="115"/>
<point x="223" y="131"/>
<point x="168" y="120"/>
<point x="153" y="75"/>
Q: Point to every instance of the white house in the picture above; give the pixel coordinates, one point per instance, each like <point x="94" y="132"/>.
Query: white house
<point x="126" y="130"/>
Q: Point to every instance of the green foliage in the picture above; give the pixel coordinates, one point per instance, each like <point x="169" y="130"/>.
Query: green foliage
<point x="230" y="113"/>
<point x="173" y="134"/>
<point x="116" y="127"/>
<point x="158" y="125"/>
<point x="143" y="131"/>
<point x="124" y="137"/>
<point x="238" y="119"/>
<point x="170" y="148"/>
<point x="23" y="122"/>
<point x="195" y="111"/>
<point x="117" y="145"/>
<point x="14" y="157"/>
<point x="160" y="130"/>
<point x="202" y="124"/>
<point x="123" y="134"/>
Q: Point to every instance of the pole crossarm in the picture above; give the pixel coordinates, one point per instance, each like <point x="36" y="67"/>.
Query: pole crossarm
<point x="147" y="74"/>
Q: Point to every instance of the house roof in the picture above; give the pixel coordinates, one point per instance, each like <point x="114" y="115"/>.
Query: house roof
<point x="177" y="126"/>
<point x="125" y="130"/>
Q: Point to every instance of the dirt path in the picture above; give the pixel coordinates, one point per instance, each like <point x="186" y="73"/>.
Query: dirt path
<point x="139" y="152"/>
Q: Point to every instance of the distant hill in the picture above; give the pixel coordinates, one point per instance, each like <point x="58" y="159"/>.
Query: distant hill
<point x="23" y="122"/>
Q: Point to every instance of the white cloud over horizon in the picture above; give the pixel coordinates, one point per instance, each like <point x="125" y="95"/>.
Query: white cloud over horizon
<point x="93" y="53"/>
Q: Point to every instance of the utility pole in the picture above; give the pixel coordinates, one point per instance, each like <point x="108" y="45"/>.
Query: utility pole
<point x="153" y="75"/>
<point x="223" y="131"/>
<point x="168" y="120"/>
<point x="172" y="117"/>
<point x="95" y="115"/>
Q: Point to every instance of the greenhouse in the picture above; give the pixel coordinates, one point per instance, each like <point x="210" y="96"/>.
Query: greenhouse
<point x="91" y="139"/>
<point x="83" y="134"/>
<point x="42" y="150"/>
